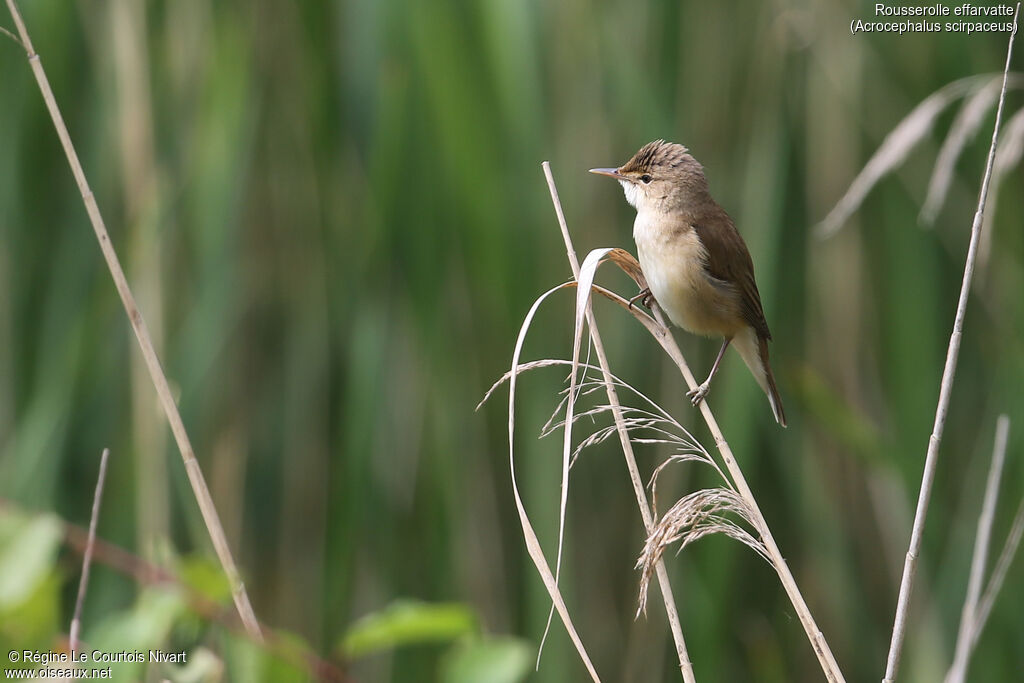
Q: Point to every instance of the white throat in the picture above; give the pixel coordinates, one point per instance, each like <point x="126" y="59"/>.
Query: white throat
<point x="632" y="192"/>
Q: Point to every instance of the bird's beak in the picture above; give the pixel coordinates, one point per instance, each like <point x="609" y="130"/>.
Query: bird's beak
<point x="610" y="172"/>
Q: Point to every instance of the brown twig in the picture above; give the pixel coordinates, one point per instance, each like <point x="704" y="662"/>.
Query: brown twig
<point x="163" y="390"/>
<point x="76" y="620"/>
<point x="945" y="394"/>
<point x="146" y="573"/>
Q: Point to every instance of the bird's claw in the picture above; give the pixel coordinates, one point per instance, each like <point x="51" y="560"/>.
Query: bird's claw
<point x="698" y="394"/>
<point x="644" y="297"/>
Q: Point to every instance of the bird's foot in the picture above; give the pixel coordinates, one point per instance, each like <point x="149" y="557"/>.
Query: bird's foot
<point x="698" y="394"/>
<point x="644" y="297"/>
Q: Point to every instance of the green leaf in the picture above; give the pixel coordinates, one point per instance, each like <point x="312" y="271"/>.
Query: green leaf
<point x="145" y="625"/>
<point x="28" y="550"/>
<point x="407" y="622"/>
<point x="31" y="625"/>
<point x="205" y="577"/>
<point x="492" y="660"/>
<point x="247" y="661"/>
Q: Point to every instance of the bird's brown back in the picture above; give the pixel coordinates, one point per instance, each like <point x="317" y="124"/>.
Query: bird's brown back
<point x="728" y="259"/>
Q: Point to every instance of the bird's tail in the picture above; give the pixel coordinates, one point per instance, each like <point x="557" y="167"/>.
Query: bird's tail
<point x="754" y="351"/>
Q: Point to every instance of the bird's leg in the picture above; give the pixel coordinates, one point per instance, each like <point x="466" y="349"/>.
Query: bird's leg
<point x="644" y="297"/>
<point x="698" y="394"/>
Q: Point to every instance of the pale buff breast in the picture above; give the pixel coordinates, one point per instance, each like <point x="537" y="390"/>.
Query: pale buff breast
<point x="673" y="258"/>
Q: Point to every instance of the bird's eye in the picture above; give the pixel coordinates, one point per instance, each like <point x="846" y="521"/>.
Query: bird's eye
<point x="645" y="178"/>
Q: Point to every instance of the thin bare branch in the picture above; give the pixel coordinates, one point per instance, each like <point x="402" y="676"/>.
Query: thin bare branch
<point x="83" y="583"/>
<point x="156" y="373"/>
<point x="945" y="393"/>
<point x="958" y="671"/>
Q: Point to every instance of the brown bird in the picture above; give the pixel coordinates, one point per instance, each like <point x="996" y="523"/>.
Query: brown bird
<point x="696" y="263"/>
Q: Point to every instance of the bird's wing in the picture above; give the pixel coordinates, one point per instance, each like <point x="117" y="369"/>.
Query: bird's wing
<point x="729" y="260"/>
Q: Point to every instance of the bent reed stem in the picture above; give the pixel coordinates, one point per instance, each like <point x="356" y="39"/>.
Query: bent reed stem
<point x="685" y="665"/>
<point x="659" y="330"/>
<point x="149" y="355"/>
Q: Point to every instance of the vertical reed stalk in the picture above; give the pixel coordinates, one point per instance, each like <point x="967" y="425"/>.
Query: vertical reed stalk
<point x="945" y="394"/>
<point x="163" y="390"/>
<point x="83" y="582"/>
<point x="969" y="615"/>
<point x="685" y="666"/>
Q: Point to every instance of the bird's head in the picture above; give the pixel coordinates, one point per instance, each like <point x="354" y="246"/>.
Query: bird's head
<point x="661" y="176"/>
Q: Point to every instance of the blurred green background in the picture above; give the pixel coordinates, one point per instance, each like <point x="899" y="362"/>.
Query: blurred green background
<point x="334" y="219"/>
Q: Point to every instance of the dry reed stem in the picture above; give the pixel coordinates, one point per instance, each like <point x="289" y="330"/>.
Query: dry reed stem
<point x="661" y="333"/>
<point x="893" y="150"/>
<point x="692" y="517"/>
<point x="958" y="671"/>
<point x="83" y="582"/>
<point x="829" y="667"/>
<point x="685" y="665"/>
<point x="945" y="393"/>
<point x="141" y="192"/>
<point x="659" y="330"/>
<point x="1008" y="154"/>
<point x="10" y="35"/>
<point x="529" y="535"/>
<point x="995" y="583"/>
<point x="582" y="304"/>
<point x="966" y="124"/>
<point x="163" y="390"/>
